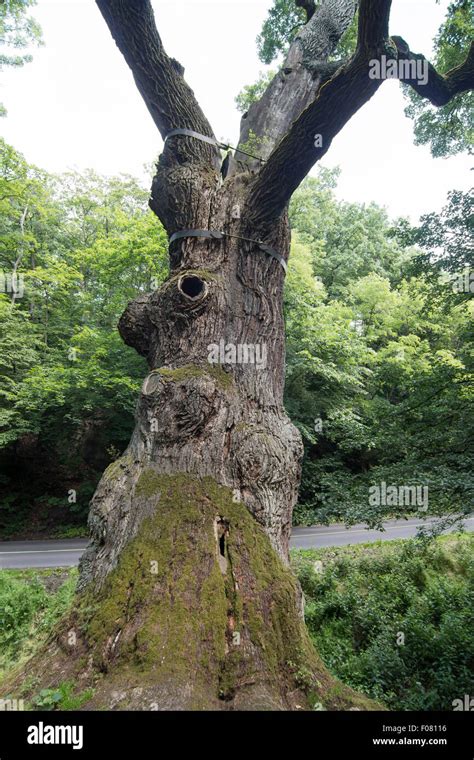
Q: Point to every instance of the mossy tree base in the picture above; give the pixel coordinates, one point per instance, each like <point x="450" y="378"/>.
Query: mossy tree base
<point x="199" y="613"/>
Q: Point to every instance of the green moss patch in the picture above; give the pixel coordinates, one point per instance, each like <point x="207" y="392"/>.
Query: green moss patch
<point x="180" y="374"/>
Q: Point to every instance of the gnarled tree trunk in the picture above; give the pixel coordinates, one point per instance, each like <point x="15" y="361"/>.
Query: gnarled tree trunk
<point x="215" y="456"/>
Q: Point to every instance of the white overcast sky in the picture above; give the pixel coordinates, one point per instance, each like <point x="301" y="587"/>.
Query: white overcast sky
<point x="76" y="105"/>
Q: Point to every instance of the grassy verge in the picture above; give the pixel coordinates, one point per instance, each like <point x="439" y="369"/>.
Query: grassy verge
<point x="395" y="619"/>
<point x="31" y="602"/>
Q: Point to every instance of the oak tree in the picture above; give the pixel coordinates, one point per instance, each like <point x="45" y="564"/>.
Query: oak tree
<point x="186" y="599"/>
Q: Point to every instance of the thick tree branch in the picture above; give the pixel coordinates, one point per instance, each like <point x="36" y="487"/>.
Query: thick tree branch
<point x="319" y="38"/>
<point x="339" y="98"/>
<point x="295" y="86"/>
<point x="373" y="23"/>
<point x="159" y="78"/>
<point x="312" y="133"/>
<point x="291" y="161"/>
<point x="439" y="89"/>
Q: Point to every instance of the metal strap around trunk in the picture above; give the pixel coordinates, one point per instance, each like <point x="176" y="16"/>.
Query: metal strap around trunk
<point x="274" y="254"/>
<point x="217" y="235"/>
<point x="210" y="141"/>
<point x="197" y="135"/>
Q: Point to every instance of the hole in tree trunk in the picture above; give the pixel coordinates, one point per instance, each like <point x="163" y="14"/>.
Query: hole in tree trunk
<point x="222" y="545"/>
<point x="221" y="528"/>
<point x="192" y="287"/>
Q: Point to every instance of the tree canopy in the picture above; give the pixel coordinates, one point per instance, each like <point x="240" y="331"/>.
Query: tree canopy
<point x="18" y="31"/>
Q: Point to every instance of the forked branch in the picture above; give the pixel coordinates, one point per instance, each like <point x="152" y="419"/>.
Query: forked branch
<point x="338" y="100"/>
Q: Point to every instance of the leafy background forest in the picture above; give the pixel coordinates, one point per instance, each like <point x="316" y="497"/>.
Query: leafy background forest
<point x="379" y="345"/>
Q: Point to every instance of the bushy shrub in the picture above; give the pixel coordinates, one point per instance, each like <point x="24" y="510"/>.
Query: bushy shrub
<point x="395" y="620"/>
<point x="28" y="611"/>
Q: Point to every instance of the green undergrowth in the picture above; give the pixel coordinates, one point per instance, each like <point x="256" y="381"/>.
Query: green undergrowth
<point x="396" y="619"/>
<point x="64" y="697"/>
<point x="31" y="603"/>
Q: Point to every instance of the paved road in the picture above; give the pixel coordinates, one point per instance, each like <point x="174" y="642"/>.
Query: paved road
<point x="58" y="553"/>
<point x="66" y="553"/>
<point x="338" y="535"/>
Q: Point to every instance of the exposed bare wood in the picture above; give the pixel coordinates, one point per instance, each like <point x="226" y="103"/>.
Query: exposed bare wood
<point x="336" y="102"/>
<point x="295" y="86"/>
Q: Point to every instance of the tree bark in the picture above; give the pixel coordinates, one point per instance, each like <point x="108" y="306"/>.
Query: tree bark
<point x="221" y="418"/>
<point x="215" y="434"/>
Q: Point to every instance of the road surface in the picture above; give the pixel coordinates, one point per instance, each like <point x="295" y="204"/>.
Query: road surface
<point x="338" y="535"/>
<point x="56" y="553"/>
<point x="66" y="553"/>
